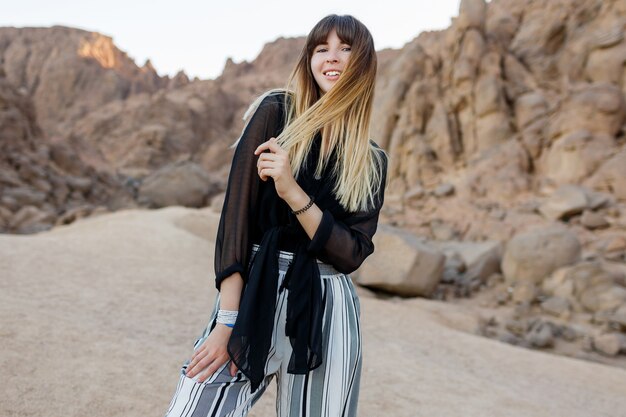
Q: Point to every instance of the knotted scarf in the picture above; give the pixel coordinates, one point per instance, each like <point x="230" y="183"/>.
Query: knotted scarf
<point x="251" y="338"/>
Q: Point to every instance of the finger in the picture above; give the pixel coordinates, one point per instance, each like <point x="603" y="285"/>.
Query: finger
<point x="197" y="352"/>
<point x="271" y="145"/>
<point x="197" y="355"/>
<point x="199" y="363"/>
<point x="210" y="370"/>
<point x="260" y="172"/>
<point x="265" y="145"/>
<point x="266" y="156"/>
<point x="266" y="173"/>
<point x="266" y="164"/>
<point x="191" y="366"/>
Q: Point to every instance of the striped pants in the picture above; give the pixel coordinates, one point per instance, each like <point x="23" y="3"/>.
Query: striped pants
<point x="330" y="390"/>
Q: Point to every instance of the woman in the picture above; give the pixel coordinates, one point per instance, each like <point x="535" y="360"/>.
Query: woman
<point x="302" y="204"/>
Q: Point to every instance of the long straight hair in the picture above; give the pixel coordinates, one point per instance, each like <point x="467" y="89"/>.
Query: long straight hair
<point x="342" y="114"/>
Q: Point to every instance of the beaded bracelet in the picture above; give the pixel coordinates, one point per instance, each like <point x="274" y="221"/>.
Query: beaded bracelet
<point x="305" y="208"/>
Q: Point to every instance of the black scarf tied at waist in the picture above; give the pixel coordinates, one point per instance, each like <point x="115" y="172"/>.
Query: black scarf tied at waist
<point x="250" y="341"/>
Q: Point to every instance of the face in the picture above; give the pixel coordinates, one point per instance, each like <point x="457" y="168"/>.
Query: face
<point x="332" y="55"/>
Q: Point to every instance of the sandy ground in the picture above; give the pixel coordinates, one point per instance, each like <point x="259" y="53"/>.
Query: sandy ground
<point x="98" y="316"/>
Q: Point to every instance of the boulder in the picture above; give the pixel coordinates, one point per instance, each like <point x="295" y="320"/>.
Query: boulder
<point x="587" y="287"/>
<point x="533" y="255"/>
<point x="401" y="264"/>
<point x="610" y="177"/>
<point x="474" y="260"/>
<point x="184" y="183"/>
<point x="567" y="200"/>
<point x="575" y="156"/>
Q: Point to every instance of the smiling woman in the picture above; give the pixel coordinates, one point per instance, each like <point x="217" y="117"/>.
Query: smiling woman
<point x="302" y="204"/>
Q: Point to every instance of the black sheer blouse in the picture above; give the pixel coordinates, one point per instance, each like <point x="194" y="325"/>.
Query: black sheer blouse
<point x="254" y="213"/>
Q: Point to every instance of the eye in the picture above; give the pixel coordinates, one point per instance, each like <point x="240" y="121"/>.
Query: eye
<point x="348" y="48"/>
<point x="321" y="49"/>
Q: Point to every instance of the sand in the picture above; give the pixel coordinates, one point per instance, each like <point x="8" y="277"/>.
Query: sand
<point x="98" y="316"/>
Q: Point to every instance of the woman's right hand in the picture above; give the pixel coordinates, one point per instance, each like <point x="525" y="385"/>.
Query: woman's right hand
<point x="211" y="354"/>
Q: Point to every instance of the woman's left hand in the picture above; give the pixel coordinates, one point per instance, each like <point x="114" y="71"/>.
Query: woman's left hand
<point x="275" y="164"/>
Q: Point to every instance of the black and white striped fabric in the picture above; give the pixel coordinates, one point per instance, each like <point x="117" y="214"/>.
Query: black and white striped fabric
<point x="331" y="390"/>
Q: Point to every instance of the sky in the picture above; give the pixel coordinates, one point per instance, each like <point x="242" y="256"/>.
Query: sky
<point x="198" y="36"/>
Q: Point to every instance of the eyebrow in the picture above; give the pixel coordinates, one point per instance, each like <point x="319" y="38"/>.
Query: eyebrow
<point x="326" y="43"/>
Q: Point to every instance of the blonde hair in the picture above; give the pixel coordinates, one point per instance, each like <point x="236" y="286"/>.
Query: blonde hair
<point x="342" y="114"/>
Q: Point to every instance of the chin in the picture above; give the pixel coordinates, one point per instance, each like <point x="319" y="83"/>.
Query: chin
<point x="326" y="89"/>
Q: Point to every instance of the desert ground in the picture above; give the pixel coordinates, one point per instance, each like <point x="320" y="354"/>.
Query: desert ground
<point x="99" y="315"/>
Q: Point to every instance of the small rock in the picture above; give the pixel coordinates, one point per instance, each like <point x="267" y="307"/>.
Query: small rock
<point x="618" y="318"/>
<point x="614" y="248"/>
<point x="30" y="218"/>
<point x="566" y="201"/>
<point x="498" y="214"/>
<point x="541" y="335"/>
<point x="509" y="338"/>
<point x="455" y="262"/>
<point x="521" y="310"/>
<point x="587" y="343"/>
<point x="597" y="199"/>
<point x="568" y="333"/>
<point x="475" y="284"/>
<point x="517" y="327"/>
<point x="494" y="279"/>
<point x="502" y="297"/>
<point x="529" y="206"/>
<point x="414" y="193"/>
<point x="443" y="190"/>
<point x="557" y="306"/>
<point x="604" y="296"/>
<point x="593" y="220"/>
<point x="9" y="203"/>
<point x="610" y="344"/>
<point x="524" y="291"/>
<point x="73" y="214"/>
<point x="25" y="196"/>
<point x="81" y="184"/>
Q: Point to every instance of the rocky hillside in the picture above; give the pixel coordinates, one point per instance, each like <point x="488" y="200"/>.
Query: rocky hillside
<point x="44" y="182"/>
<point x="513" y="97"/>
<point x="158" y="141"/>
<point x="507" y="135"/>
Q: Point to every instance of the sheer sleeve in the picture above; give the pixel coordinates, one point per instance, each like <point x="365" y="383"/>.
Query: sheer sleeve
<point x="346" y="243"/>
<point x="232" y="243"/>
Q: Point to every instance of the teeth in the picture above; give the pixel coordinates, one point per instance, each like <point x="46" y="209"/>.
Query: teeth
<point x="333" y="73"/>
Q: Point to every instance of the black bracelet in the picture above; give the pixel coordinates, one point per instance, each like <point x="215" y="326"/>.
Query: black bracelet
<point x="305" y="208"/>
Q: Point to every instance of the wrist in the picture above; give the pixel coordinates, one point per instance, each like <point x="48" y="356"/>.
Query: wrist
<point x="297" y="198"/>
<point x="225" y="326"/>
